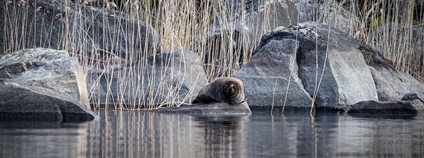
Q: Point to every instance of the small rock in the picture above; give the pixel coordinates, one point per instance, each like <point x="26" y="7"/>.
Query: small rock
<point x="215" y="109"/>
<point x="376" y="108"/>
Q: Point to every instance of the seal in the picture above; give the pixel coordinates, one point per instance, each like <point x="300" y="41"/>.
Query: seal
<point x="223" y="89"/>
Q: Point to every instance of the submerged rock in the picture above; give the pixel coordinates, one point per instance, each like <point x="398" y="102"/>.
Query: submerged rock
<point x="164" y="79"/>
<point x="45" y="83"/>
<point x="374" y="108"/>
<point x="214" y="108"/>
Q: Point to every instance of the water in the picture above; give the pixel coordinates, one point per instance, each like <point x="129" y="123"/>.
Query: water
<point x="140" y="134"/>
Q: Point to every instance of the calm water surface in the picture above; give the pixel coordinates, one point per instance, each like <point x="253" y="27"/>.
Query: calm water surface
<point x="140" y="134"/>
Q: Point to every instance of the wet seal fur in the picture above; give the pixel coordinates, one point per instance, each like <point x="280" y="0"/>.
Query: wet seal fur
<point x="223" y="89"/>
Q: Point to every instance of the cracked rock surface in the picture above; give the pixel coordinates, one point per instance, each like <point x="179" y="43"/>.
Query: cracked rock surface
<point x="293" y="64"/>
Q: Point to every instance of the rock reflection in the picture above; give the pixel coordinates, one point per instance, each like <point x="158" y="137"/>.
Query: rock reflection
<point x="41" y="139"/>
<point x="148" y="134"/>
<point x="139" y="134"/>
<point x="223" y="136"/>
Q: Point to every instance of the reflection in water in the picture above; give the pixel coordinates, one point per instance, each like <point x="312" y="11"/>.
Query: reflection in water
<point x="41" y="139"/>
<point x="222" y="136"/>
<point x="139" y="134"/>
<point x="147" y="134"/>
<point x="165" y="135"/>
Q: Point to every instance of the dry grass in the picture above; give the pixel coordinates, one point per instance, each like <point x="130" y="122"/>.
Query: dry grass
<point x="394" y="28"/>
<point x="184" y="24"/>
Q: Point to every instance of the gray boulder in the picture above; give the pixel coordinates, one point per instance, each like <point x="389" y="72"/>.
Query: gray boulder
<point x="260" y="14"/>
<point x="399" y="94"/>
<point x="327" y="63"/>
<point x="263" y="16"/>
<point x="32" y="77"/>
<point x="234" y="34"/>
<point x="391" y="84"/>
<point x="270" y="15"/>
<point x="76" y="28"/>
<point x="329" y="12"/>
<point x="166" y="79"/>
<point x="235" y="8"/>
<point x="271" y="77"/>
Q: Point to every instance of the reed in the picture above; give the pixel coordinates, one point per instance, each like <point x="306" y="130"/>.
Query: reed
<point x="395" y="29"/>
<point x="185" y="24"/>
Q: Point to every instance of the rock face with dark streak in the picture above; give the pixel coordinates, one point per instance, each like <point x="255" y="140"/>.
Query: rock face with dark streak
<point x="65" y="25"/>
<point x="42" y="84"/>
<point x="295" y="64"/>
<point x="271" y="76"/>
<point x="312" y="63"/>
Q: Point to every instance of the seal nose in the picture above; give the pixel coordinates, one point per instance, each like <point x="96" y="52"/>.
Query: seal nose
<point x="232" y="88"/>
